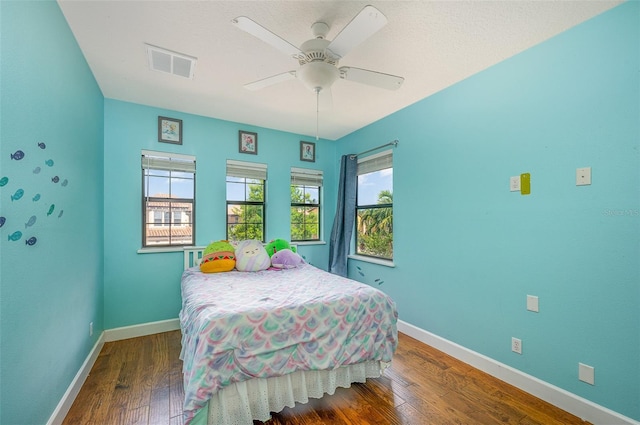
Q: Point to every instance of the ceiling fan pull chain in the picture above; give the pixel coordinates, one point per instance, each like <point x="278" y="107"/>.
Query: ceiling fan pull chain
<point x="317" y="110"/>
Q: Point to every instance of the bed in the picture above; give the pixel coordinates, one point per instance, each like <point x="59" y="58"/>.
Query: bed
<point x="256" y="342"/>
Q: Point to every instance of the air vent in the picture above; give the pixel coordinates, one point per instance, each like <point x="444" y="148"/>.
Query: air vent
<point x="164" y="60"/>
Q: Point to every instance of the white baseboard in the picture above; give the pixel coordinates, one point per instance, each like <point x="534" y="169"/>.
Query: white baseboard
<point x="70" y="395"/>
<point x="576" y="405"/>
<point x="107" y="336"/>
<point x="144" y="329"/>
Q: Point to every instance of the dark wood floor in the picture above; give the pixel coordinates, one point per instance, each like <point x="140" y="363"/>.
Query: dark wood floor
<point x="139" y="381"/>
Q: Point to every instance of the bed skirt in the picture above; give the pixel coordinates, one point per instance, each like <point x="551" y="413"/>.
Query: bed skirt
<point x="241" y="403"/>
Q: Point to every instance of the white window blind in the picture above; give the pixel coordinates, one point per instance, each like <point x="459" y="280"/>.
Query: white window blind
<point x="377" y="162"/>
<point x="152" y="160"/>
<point x="249" y="170"/>
<point x="306" y="177"/>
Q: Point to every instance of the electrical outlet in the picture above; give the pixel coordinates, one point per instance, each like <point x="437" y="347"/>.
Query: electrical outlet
<point x="90" y="328"/>
<point x="516" y="345"/>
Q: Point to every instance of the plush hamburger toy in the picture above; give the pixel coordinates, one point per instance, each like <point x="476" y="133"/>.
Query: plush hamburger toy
<point x="218" y="257"/>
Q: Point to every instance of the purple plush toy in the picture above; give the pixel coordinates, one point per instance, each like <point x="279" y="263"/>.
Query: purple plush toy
<point x="286" y="259"/>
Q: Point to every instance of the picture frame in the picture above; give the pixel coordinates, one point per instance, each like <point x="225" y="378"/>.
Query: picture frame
<point x="170" y="130"/>
<point x="247" y="142"/>
<point x="307" y="151"/>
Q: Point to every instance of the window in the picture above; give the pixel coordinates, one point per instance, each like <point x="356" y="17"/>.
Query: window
<point x="168" y="188"/>
<point x="305" y="204"/>
<point x="177" y="217"/>
<point x="374" y="206"/>
<point x="245" y="200"/>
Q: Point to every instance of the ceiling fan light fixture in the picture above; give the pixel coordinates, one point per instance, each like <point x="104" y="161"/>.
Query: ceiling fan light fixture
<point x="318" y="76"/>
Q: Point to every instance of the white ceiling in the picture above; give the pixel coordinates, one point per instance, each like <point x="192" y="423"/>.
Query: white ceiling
<point x="432" y="44"/>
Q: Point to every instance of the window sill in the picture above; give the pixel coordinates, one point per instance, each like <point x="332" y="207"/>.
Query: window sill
<point x="386" y="263"/>
<point x="305" y="243"/>
<point x="162" y="249"/>
<point x="182" y="248"/>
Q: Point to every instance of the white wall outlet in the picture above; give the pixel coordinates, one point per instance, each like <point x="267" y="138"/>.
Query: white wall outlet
<point x="583" y="176"/>
<point x="586" y="373"/>
<point x="516" y="345"/>
<point x="90" y="328"/>
<point x="514" y="184"/>
<point x="532" y="303"/>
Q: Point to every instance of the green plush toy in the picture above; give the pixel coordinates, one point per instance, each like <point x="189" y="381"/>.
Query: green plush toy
<point x="278" y="245"/>
<point x="218" y="257"/>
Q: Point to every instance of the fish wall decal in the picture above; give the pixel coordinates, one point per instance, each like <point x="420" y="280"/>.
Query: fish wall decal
<point x="16" y="196"/>
<point x="31" y="221"/>
<point x="4" y="181"/>
<point x="18" y="155"/>
<point x="15" y="236"/>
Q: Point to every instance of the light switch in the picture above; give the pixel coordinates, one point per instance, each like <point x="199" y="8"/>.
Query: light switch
<point x="583" y="176"/>
<point x="532" y="303"/>
<point x="514" y="184"/>
<point x="586" y="373"/>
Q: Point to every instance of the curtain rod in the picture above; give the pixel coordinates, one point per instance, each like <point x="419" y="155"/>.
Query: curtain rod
<point x="394" y="143"/>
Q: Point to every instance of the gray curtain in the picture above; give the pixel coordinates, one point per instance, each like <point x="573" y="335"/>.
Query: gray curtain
<point x="345" y="216"/>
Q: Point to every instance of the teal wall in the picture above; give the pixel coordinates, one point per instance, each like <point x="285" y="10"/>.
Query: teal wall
<point x="52" y="290"/>
<point x="468" y="250"/>
<point x="142" y="288"/>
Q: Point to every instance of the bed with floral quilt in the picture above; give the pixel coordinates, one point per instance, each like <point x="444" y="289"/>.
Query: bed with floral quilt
<point x="255" y="343"/>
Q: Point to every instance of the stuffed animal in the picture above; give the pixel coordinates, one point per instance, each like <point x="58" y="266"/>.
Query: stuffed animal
<point x="251" y="256"/>
<point x="277" y="245"/>
<point x="218" y="257"/>
<point x="286" y="259"/>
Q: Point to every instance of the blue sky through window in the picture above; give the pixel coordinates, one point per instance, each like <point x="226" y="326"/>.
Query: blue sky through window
<point x="371" y="184"/>
<point x="181" y="184"/>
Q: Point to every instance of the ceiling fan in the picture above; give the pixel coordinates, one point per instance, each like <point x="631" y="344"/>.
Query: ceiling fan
<point x="318" y="57"/>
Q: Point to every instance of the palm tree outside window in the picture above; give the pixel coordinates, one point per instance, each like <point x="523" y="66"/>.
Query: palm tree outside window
<point x="374" y="206"/>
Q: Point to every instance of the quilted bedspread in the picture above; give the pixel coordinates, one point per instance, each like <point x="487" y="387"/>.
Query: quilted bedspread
<point x="237" y="326"/>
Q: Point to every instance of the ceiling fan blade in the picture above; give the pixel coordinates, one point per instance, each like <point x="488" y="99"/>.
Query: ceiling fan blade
<point x="364" y="25"/>
<point x="269" y="81"/>
<point x="265" y="35"/>
<point x="372" y="78"/>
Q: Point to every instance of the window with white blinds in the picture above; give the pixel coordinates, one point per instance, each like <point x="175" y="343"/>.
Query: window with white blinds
<point x="306" y="187"/>
<point x="377" y="162"/>
<point x="248" y="170"/>
<point x="168" y="199"/>
<point x="246" y="184"/>
<point x="374" y="206"/>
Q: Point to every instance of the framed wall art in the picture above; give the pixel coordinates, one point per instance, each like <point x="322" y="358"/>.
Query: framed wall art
<point x="247" y="142"/>
<point x="307" y="151"/>
<point x="169" y="130"/>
